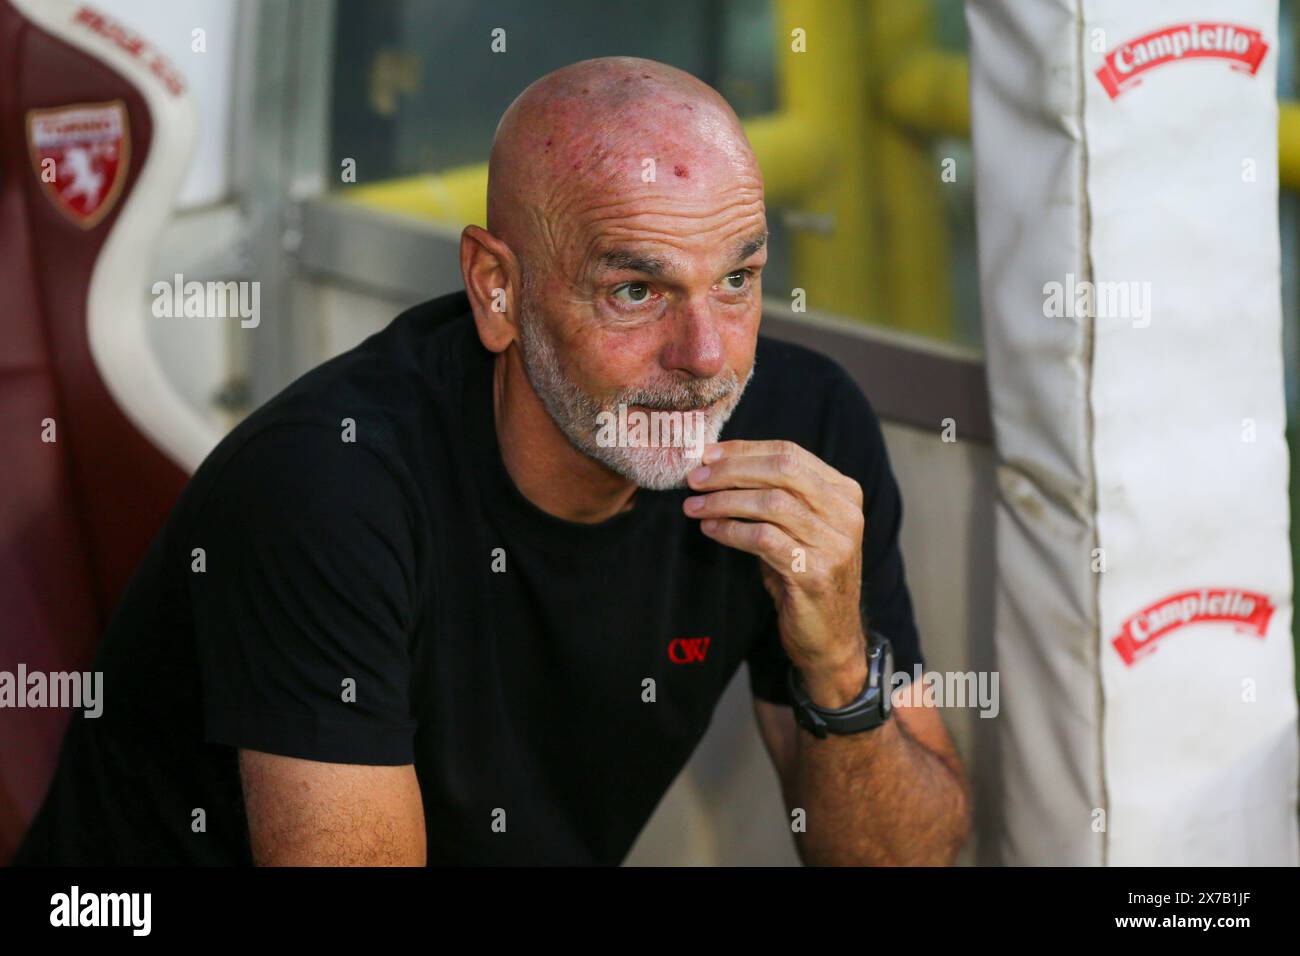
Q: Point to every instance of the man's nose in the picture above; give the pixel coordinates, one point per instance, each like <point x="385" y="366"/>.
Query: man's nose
<point x="696" y="345"/>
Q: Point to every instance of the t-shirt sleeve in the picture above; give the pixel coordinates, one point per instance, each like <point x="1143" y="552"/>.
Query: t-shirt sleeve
<point x="306" y="601"/>
<point x="854" y="445"/>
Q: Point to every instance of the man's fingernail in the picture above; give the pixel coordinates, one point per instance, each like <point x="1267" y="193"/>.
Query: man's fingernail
<point x="700" y="474"/>
<point x="694" y="504"/>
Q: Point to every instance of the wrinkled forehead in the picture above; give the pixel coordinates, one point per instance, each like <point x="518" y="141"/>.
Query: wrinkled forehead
<point x="659" y="219"/>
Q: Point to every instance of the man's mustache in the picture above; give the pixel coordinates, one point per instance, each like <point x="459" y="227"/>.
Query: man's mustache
<point x="679" y="397"/>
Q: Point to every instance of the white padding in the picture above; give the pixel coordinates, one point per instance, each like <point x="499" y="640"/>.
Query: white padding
<point x="1126" y="185"/>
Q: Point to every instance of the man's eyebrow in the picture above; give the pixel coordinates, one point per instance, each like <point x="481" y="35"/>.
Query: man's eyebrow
<point x="651" y="265"/>
<point x="624" y="260"/>
<point x="751" y="246"/>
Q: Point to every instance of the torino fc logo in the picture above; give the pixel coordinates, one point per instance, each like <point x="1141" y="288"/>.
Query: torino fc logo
<point x="1243" y="47"/>
<point x="80" y="157"/>
<point x="1137" y="636"/>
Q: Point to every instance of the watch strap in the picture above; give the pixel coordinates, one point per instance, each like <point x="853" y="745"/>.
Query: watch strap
<point x="868" y="710"/>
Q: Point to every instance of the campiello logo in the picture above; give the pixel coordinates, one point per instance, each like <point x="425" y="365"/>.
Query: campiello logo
<point x="1243" y="47"/>
<point x="1137" y="636"/>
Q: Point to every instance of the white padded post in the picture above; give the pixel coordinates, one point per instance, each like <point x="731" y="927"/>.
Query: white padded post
<point x="1126" y="185"/>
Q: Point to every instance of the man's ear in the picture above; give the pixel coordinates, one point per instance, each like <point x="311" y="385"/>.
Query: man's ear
<point x="491" y="275"/>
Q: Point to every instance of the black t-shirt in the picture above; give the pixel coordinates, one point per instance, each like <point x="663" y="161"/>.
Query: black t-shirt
<point x="393" y="599"/>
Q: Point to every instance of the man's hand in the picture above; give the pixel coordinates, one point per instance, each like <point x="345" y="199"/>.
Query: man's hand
<point x="308" y="813"/>
<point x="895" y="794"/>
<point x="803" y="520"/>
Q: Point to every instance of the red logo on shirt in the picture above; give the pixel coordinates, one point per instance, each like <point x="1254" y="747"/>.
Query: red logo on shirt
<point x="688" y="650"/>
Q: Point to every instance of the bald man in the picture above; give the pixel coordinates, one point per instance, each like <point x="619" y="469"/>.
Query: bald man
<point x="469" y="592"/>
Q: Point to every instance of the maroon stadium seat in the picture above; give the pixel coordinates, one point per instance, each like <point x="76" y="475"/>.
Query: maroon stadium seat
<point x="83" y="101"/>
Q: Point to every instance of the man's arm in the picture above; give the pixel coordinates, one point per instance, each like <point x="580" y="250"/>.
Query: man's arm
<point x="303" y="614"/>
<point x="309" y="813"/>
<point x="896" y="795"/>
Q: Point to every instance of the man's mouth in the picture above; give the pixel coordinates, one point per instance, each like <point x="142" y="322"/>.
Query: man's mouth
<point x="698" y="408"/>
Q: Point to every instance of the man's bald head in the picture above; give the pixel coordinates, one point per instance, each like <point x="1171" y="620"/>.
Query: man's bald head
<point x="588" y="129"/>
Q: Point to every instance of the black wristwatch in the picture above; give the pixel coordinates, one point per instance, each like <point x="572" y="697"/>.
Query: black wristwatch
<point x="870" y="709"/>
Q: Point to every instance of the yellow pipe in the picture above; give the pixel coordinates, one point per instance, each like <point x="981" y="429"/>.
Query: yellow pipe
<point x="930" y="94"/>
<point x="457" y="196"/>
<point x="793" y="161"/>
<point x="820" y="51"/>
<point x="1288" y="144"/>
<point x="907" y="199"/>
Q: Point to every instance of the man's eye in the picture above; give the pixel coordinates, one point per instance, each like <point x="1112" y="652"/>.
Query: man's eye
<point x="736" y="281"/>
<point x="634" y="293"/>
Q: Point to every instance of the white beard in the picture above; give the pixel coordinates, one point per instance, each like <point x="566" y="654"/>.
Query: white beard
<point x="576" y="413"/>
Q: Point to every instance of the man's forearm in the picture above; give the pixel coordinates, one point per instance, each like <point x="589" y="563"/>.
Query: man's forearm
<point x="878" y="798"/>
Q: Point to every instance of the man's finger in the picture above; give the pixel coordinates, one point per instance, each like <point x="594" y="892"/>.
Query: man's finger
<point x="763" y="540"/>
<point x="776" y="471"/>
<point x="796" y="454"/>
<point x="773" y="505"/>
